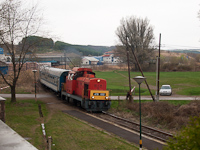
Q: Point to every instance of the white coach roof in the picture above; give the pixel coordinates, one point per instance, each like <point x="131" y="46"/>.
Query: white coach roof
<point x="53" y="71"/>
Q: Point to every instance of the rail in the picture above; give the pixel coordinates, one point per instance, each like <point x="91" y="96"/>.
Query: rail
<point x="149" y="131"/>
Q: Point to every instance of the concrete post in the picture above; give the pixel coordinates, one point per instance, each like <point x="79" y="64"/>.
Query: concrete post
<point x="2" y="112"/>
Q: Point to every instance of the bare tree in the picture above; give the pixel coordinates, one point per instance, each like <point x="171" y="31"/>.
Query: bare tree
<point x="17" y="22"/>
<point x="137" y="34"/>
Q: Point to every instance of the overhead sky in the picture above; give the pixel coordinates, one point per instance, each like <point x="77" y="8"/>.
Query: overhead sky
<point x="94" y="22"/>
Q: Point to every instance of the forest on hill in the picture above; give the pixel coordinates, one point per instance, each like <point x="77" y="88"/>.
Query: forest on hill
<point x="43" y="45"/>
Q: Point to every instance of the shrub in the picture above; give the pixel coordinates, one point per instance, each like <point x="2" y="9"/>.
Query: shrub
<point x="187" y="138"/>
<point x="173" y="117"/>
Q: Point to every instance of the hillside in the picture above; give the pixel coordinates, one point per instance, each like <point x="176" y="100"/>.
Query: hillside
<point x="196" y="51"/>
<point x="44" y="45"/>
<point x="82" y="49"/>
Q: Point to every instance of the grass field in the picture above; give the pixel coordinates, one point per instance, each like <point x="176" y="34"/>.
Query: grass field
<point x="183" y="83"/>
<point x="67" y="132"/>
<point x="23" y="117"/>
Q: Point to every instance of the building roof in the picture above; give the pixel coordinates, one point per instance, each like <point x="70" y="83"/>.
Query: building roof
<point x="106" y="55"/>
<point x="91" y="58"/>
<point x="109" y="52"/>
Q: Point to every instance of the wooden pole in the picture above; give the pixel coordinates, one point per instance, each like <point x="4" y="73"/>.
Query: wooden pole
<point x="49" y="142"/>
<point x="157" y="96"/>
<point x="142" y="72"/>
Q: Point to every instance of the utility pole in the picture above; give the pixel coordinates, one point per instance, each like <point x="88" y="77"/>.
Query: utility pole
<point x="128" y="94"/>
<point x="65" y="59"/>
<point x="34" y="71"/>
<point x="157" y="96"/>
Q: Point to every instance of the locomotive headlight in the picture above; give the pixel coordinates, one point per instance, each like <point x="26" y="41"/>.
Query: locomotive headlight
<point x="92" y="97"/>
<point x="106" y="97"/>
<point x="98" y="80"/>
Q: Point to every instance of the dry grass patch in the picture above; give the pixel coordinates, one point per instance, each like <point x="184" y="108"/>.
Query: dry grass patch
<point x="25" y="83"/>
<point x="163" y="115"/>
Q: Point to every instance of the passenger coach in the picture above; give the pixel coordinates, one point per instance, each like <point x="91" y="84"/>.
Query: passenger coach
<point x="53" y="77"/>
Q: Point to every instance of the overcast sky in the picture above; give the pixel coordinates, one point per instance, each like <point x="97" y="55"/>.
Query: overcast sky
<point x="94" y="22"/>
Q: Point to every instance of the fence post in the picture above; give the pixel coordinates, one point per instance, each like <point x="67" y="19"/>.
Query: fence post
<point x="49" y="142"/>
<point x="2" y="114"/>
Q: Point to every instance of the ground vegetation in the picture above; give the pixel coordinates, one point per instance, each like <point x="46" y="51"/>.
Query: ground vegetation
<point x="164" y="114"/>
<point x="67" y="132"/>
<point x="187" y="138"/>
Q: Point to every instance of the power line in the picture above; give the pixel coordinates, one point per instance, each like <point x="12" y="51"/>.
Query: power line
<point x="179" y="46"/>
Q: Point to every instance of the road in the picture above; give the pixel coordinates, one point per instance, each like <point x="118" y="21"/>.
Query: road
<point x="175" y="97"/>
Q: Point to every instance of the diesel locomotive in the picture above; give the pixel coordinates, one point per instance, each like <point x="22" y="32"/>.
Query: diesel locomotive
<point x="78" y="85"/>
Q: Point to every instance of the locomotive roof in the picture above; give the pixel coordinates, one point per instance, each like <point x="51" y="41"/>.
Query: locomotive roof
<point x="81" y="69"/>
<point x="53" y="71"/>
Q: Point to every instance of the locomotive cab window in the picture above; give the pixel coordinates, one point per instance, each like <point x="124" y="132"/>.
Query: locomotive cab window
<point x="70" y="76"/>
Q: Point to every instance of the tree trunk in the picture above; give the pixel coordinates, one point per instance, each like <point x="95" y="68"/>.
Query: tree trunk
<point x="136" y="67"/>
<point x="13" y="94"/>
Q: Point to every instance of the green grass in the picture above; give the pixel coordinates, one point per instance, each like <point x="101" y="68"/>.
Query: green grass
<point x="70" y="133"/>
<point x="117" y="84"/>
<point x="67" y="132"/>
<point x="23" y="117"/>
<point x="182" y="83"/>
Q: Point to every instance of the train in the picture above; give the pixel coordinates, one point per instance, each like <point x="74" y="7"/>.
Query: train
<point x="78" y="86"/>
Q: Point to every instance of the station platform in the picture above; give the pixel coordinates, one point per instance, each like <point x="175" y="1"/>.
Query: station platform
<point x="10" y="140"/>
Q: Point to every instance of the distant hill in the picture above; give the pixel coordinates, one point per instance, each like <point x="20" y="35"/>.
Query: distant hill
<point x="82" y="49"/>
<point x="196" y="51"/>
<point x="44" y="45"/>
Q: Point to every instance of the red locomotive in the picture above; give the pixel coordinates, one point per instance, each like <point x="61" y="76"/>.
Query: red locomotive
<point x="84" y="89"/>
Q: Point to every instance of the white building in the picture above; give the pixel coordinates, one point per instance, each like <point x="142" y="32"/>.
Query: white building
<point x="4" y="58"/>
<point x="108" y="57"/>
<point x="89" y="61"/>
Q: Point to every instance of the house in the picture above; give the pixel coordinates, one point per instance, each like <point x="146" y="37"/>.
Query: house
<point x="108" y="57"/>
<point x="89" y="61"/>
<point x="3" y="68"/>
<point x="100" y="58"/>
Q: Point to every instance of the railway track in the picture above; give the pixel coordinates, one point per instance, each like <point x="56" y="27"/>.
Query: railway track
<point x="148" y="131"/>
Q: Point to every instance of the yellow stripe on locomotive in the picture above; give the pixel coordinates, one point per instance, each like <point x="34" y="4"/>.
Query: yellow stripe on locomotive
<point x="99" y="95"/>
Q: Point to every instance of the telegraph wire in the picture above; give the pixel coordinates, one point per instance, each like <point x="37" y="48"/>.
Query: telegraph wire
<point x="178" y="46"/>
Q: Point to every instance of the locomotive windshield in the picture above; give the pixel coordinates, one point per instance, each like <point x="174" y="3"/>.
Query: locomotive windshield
<point x="99" y="94"/>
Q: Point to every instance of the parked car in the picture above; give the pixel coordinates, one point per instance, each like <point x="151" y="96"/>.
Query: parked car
<point x="165" y="90"/>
